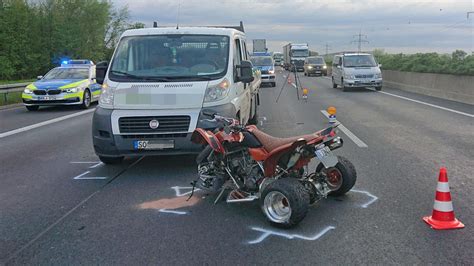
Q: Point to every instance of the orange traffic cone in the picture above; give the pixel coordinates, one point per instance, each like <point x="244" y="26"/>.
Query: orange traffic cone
<point x="443" y="215"/>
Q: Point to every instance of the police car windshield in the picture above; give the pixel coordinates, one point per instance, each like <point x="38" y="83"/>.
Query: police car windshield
<point x="171" y="57"/>
<point x="316" y="60"/>
<point x="359" y="61"/>
<point x="67" y="73"/>
<point x="261" y="61"/>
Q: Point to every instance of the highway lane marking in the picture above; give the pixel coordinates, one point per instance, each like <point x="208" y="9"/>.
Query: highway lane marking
<point x="348" y="133"/>
<point x="44" y="123"/>
<point x="428" y="104"/>
<point x="372" y="200"/>
<point x="267" y="232"/>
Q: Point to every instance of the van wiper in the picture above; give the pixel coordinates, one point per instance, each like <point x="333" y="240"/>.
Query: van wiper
<point x="203" y="77"/>
<point x="151" y="78"/>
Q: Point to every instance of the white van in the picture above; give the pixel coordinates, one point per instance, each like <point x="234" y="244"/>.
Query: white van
<point x="160" y="81"/>
<point x="356" y="70"/>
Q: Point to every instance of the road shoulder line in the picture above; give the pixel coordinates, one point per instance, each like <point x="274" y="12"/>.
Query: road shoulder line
<point x="348" y="133"/>
<point x="428" y="104"/>
<point x="44" y="123"/>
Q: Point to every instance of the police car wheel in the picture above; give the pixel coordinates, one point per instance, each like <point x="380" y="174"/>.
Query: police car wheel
<point x="86" y="99"/>
<point x="111" y="160"/>
<point x="32" y="108"/>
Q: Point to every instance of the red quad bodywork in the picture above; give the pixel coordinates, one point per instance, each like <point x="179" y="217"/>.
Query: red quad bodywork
<point x="270" y="159"/>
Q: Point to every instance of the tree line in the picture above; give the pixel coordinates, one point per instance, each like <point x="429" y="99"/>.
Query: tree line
<point x="457" y="63"/>
<point x="36" y="35"/>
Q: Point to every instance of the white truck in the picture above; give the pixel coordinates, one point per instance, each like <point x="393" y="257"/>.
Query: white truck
<point x="259" y="46"/>
<point x="162" y="81"/>
<point x="294" y="55"/>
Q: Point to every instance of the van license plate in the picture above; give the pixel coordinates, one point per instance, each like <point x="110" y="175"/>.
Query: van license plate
<point x="153" y="144"/>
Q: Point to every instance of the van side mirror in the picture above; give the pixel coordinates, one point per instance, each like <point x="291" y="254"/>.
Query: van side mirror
<point x="246" y="73"/>
<point x="39" y="77"/>
<point x="100" y="71"/>
<point x="380" y="65"/>
<point x="338" y="66"/>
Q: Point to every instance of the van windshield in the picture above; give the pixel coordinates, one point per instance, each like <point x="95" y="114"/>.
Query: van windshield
<point x="170" y="57"/>
<point x="315" y="60"/>
<point x="359" y="61"/>
<point x="261" y="61"/>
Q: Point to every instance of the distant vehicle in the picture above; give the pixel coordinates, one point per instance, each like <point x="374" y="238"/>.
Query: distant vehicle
<point x="266" y="66"/>
<point x="259" y="46"/>
<point x="278" y="59"/>
<point x="73" y="83"/>
<point x="315" y="65"/>
<point x="160" y="83"/>
<point x="294" y="55"/>
<point x="356" y="70"/>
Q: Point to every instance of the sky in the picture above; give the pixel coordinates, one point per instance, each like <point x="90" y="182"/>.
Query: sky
<point x="397" y="26"/>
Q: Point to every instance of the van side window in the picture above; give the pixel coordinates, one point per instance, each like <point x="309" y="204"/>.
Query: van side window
<point x="335" y="61"/>
<point x="237" y="58"/>
<point x="246" y="53"/>
<point x="340" y="61"/>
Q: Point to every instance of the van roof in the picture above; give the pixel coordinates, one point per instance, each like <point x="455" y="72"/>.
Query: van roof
<point x="182" y="30"/>
<point x="349" y="54"/>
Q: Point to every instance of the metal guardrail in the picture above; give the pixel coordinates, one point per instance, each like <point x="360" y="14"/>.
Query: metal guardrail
<point x="13" y="87"/>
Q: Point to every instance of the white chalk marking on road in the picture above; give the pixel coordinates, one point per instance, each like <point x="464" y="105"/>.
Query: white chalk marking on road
<point x="83" y="177"/>
<point x="44" y="123"/>
<point x="96" y="165"/>
<point x="348" y="133"/>
<point x="428" y="104"/>
<point x="266" y="233"/>
<point x="177" y="190"/>
<point x="171" y="211"/>
<point x="372" y="200"/>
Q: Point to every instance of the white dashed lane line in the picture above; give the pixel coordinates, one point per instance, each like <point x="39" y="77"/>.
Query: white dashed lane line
<point x="348" y="133"/>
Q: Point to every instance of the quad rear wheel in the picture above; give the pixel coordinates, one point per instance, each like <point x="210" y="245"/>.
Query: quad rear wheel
<point x="340" y="178"/>
<point x="285" y="202"/>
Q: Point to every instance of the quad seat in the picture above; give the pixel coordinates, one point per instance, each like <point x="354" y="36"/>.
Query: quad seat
<point x="271" y="143"/>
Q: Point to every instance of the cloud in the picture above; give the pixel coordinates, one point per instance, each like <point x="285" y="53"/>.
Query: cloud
<point x="398" y="26"/>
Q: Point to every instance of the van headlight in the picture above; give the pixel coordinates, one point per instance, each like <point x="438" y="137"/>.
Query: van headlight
<point x="106" y="96"/>
<point x="324" y="67"/>
<point x="378" y="75"/>
<point x="347" y="76"/>
<point x="217" y="92"/>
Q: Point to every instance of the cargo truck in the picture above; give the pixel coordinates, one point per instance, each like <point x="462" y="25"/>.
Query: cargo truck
<point x="294" y="55"/>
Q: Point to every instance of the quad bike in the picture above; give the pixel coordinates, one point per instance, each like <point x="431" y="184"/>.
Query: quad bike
<point x="256" y="166"/>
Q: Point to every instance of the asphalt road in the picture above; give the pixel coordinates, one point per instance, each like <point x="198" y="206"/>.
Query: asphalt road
<point x="58" y="205"/>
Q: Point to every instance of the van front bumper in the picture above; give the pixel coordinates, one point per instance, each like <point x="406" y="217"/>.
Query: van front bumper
<point x="268" y="78"/>
<point x="360" y="83"/>
<point x="109" y="144"/>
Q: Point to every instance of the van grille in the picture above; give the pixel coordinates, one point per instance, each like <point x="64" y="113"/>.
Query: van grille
<point x="167" y="124"/>
<point x="364" y="76"/>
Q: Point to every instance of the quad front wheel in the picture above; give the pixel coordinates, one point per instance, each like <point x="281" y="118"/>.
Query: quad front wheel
<point x="285" y="202"/>
<point x="340" y="178"/>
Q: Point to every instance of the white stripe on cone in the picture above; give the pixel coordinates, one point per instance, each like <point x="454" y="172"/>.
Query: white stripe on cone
<point x="443" y="206"/>
<point x="443" y="187"/>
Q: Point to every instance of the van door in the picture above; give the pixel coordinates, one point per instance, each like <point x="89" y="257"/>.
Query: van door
<point x="337" y="72"/>
<point x="242" y="102"/>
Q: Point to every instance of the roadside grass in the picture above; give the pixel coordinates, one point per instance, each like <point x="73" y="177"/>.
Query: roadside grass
<point x="10" y="98"/>
<point x="3" y="82"/>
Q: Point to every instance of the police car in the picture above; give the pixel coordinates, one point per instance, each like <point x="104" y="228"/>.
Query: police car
<point x="73" y="83"/>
